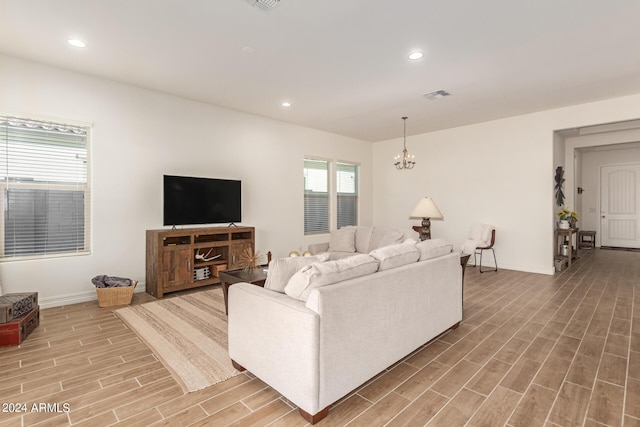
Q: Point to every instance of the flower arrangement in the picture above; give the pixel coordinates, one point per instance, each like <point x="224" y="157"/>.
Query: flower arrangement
<point x="566" y="214"/>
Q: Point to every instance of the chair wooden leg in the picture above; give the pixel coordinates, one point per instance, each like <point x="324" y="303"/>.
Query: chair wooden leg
<point x="312" y="419"/>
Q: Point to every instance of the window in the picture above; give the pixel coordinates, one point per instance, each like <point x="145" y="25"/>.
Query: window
<point x="321" y="192"/>
<point x="316" y="196"/>
<point x="347" y="194"/>
<point x="45" y="190"/>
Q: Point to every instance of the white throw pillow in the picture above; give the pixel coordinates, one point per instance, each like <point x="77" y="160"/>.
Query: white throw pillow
<point x="476" y="232"/>
<point x="391" y="238"/>
<point x="325" y="273"/>
<point x="395" y="255"/>
<point x="343" y="240"/>
<point x="281" y="270"/>
<point x="433" y="248"/>
<point x="363" y="237"/>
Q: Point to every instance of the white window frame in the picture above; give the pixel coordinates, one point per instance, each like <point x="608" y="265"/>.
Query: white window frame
<point x="6" y="182"/>
<point x="319" y="196"/>
<point x="333" y="193"/>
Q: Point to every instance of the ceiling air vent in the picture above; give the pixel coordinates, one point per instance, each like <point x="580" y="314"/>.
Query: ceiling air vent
<point x="264" y="4"/>
<point x="432" y="96"/>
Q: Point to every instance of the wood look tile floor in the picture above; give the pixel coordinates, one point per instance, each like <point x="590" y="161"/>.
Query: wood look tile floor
<point x="533" y="350"/>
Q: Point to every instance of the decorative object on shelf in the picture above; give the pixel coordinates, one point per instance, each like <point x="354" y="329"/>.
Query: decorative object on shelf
<point x="201" y="273"/>
<point x="427" y="210"/>
<point x="568" y="218"/>
<point x="559" y="181"/>
<point x="294" y="253"/>
<point x="404" y="161"/>
<point x="250" y="260"/>
<point x="201" y="257"/>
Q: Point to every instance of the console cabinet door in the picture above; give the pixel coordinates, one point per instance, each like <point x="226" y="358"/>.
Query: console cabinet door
<point x="177" y="267"/>
<point x="235" y="254"/>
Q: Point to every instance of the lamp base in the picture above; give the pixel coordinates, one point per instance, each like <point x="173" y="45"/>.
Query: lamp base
<point x="424" y="230"/>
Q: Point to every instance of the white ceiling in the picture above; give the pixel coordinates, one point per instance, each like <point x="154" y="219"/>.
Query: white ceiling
<point x="343" y="63"/>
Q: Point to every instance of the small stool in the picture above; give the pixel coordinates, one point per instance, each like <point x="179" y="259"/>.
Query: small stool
<point x="587" y="239"/>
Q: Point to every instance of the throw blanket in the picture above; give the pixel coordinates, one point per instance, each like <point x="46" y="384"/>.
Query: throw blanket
<point x="104" y="281"/>
<point x="480" y="236"/>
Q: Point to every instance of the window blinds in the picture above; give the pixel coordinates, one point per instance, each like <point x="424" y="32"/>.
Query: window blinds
<point x="347" y="193"/>
<point x="316" y="196"/>
<point x="45" y="188"/>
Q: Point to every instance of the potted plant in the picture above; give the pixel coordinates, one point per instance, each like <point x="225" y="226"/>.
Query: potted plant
<point x="568" y="218"/>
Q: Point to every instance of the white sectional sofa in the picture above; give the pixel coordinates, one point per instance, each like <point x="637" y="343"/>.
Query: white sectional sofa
<point x="352" y="240"/>
<point x="339" y="323"/>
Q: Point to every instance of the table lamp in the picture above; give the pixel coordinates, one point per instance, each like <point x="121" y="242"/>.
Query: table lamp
<point x="427" y="210"/>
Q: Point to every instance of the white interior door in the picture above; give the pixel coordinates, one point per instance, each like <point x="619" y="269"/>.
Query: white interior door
<point x="619" y="212"/>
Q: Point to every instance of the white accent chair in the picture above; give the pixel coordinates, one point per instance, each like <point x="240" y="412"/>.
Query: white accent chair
<point x="482" y="238"/>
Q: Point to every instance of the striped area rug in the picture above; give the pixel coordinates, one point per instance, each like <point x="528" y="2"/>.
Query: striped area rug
<point x="188" y="334"/>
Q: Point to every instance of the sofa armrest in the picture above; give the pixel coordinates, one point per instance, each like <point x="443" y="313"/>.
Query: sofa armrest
<point x="317" y="248"/>
<point x="276" y="338"/>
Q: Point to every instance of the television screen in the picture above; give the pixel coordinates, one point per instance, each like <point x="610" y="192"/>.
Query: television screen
<point x="189" y="200"/>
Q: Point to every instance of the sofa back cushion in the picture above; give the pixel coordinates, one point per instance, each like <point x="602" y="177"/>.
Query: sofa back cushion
<point x="381" y="237"/>
<point x="326" y="273"/>
<point x="433" y="248"/>
<point x="281" y="270"/>
<point x="395" y="255"/>
<point x="363" y="237"/>
<point x="342" y="240"/>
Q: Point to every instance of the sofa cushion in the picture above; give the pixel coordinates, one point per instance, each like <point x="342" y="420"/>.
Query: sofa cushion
<point x="391" y="238"/>
<point x="363" y="237"/>
<point x="281" y="269"/>
<point x="433" y="248"/>
<point x="326" y="273"/>
<point x="395" y="255"/>
<point x="342" y="240"/>
<point x="387" y="236"/>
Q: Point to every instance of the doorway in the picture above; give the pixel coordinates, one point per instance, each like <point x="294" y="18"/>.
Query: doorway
<point x="620" y="205"/>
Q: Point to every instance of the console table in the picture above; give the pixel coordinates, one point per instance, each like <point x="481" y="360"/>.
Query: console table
<point x="569" y="234"/>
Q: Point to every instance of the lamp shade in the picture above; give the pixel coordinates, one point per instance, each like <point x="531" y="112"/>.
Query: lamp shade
<point x="426" y="208"/>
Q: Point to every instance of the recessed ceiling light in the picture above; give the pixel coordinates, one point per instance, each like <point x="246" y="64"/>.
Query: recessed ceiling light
<point x="414" y="56"/>
<point x="76" y="43"/>
<point x="248" y="49"/>
<point x="286" y="104"/>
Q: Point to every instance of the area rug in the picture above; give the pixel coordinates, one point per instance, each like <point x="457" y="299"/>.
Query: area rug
<point x="188" y="334"/>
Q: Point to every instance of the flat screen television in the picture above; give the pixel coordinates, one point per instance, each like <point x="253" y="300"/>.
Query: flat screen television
<point x="190" y="200"/>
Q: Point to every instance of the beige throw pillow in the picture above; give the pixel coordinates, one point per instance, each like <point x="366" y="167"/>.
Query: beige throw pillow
<point x="326" y="273"/>
<point x="395" y="255"/>
<point x="343" y="240"/>
<point x="433" y="248"/>
<point x="281" y="270"/>
<point x="391" y="238"/>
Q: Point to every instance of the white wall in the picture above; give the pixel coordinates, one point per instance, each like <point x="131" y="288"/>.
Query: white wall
<point x="499" y="172"/>
<point x="139" y="135"/>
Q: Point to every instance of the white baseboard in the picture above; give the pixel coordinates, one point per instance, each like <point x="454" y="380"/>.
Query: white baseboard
<point x="61" y="300"/>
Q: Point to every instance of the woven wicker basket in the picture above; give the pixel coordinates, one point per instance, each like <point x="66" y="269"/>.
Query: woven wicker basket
<point x="109" y="297"/>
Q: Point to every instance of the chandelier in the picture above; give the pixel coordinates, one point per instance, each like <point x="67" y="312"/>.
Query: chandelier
<point x="405" y="160"/>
